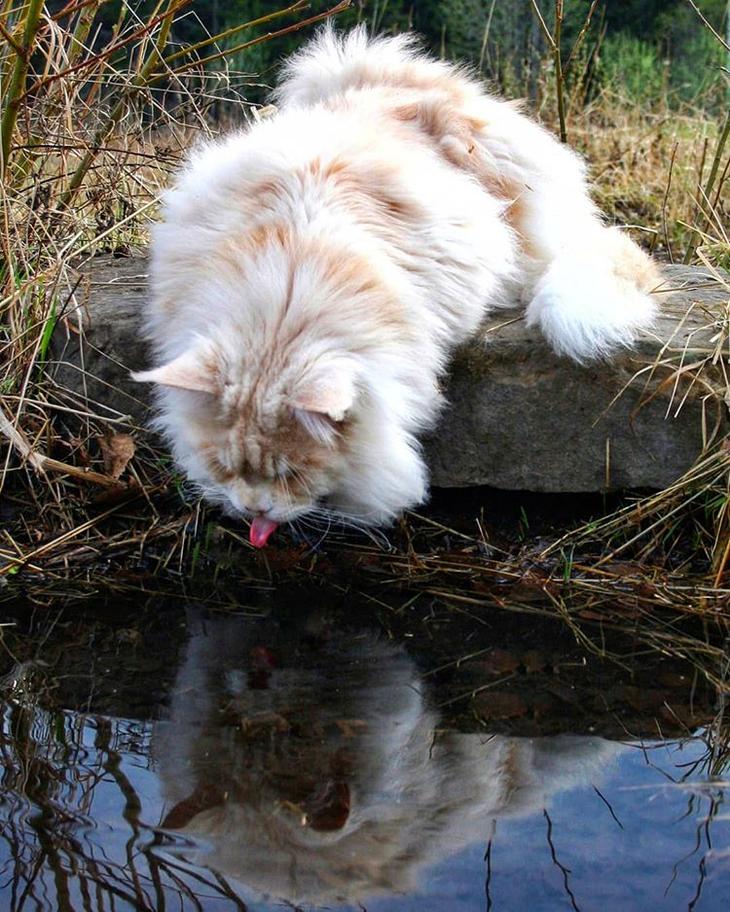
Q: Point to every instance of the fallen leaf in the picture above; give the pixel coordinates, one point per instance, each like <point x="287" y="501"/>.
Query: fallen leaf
<point x="498" y="662"/>
<point x="544" y="706"/>
<point x="535" y="661"/>
<point x="491" y="705"/>
<point x="673" y="679"/>
<point x="116" y="494"/>
<point x="679" y="715"/>
<point x="116" y="450"/>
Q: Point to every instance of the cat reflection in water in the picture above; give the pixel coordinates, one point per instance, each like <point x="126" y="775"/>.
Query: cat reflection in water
<point x="328" y="782"/>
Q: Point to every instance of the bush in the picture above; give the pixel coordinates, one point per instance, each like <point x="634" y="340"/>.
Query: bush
<point x="632" y="68"/>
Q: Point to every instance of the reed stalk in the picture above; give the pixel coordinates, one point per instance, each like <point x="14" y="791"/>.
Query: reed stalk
<point x="17" y="80"/>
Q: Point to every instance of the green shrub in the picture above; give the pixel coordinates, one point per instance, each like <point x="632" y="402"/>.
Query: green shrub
<point x="632" y="68"/>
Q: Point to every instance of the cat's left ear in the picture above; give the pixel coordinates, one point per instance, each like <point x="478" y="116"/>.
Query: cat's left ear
<point x="189" y="371"/>
<point x="327" y="392"/>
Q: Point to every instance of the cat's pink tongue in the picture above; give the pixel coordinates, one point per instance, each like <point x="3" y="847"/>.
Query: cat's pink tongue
<point x="261" y="531"/>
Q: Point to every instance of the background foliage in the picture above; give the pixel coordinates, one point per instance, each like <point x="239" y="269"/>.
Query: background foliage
<point x="652" y="48"/>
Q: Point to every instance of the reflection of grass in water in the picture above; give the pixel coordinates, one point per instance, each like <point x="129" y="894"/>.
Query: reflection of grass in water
<point x="709" y="768"/>
<point x="46" y="766"/>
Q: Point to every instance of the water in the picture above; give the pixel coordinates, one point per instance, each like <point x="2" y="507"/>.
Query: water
<point x="164" y="758"/>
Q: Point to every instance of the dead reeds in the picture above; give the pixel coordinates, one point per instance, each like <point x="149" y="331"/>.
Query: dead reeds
<point x="95" y="114"/>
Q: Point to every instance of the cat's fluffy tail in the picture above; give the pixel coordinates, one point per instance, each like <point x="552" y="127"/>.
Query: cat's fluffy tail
<point x="589" y="303"/>
<point x="332" y="62"/>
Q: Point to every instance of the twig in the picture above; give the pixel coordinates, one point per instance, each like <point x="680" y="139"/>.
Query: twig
<point x="709" y="186"/>
<point x="43" y="464"/>
<point x="557" y="863"/>
<point x="708" y="25"/>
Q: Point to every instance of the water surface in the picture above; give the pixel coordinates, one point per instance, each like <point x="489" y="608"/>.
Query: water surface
<point x="301" y="761"/>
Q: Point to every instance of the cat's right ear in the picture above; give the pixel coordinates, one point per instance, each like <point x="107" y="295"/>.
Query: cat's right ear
<point x="324" y="397"/>
<point x="189" y="371"/>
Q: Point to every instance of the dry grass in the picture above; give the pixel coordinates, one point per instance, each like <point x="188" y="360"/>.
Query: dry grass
<point x="92" y="126"/>
<point x="650" y="171"/>
<point x="93" y="121"/>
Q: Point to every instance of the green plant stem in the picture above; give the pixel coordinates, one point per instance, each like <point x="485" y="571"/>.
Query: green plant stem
<point x="81" y="31"/>
<point x="710" y="185"/>
<point x="559" y="83"/>
<point x="553" y="40"/>
<point x="295" y="27"/>
<point x="110" y="50"/>
<point x="228" y="33"/>
<point x="17" y="81"/>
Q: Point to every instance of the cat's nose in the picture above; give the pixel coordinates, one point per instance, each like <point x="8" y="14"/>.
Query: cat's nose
<point x="260" y="505"/>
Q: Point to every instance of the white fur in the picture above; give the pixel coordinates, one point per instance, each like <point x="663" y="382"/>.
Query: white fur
<point x="407" y="128"/>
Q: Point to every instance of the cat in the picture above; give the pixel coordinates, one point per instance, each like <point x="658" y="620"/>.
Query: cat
<point x="312" y="274"/>
<point x="320" y="774"/>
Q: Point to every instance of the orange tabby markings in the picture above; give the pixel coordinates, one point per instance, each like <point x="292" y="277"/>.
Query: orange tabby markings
<point x="313" y="273"/>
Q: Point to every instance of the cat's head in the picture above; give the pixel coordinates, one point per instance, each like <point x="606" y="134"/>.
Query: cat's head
<point x="264" y="435"/>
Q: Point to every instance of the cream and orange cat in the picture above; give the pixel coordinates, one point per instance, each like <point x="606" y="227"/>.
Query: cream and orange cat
<point x="313" y="273"/>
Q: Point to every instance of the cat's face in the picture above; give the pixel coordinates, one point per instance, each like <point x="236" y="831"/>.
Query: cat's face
<point x="267" y="442"/>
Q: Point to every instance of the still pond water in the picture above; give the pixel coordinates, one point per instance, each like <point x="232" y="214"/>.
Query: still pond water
<point x="239" y="762"/>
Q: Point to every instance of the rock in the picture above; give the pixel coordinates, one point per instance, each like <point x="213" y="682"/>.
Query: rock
<point x="99" y="341"/>
<point x="520" y="417"/>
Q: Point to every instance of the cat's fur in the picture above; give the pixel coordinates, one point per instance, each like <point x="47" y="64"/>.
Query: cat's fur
<point x="323" y="777"/>
<point x="313" y="273"/>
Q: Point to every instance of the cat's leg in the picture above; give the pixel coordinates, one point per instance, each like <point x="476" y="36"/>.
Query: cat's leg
<point x="386" y="475"/>
<point x="585" y="285"/>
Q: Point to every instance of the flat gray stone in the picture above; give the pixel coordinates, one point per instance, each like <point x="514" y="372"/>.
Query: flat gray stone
<point x="523" y="418"/>
<point x="520" y="417"/>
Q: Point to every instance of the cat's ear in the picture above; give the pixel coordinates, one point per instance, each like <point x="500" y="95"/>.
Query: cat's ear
<point x="190" y="371"/>
<point x="325" y="395"/>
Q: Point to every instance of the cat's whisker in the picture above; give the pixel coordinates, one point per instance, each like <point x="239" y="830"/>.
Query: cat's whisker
<point x="345" y="523"/>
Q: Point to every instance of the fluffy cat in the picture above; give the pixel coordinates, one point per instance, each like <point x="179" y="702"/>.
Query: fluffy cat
<point x="313" y="273"/>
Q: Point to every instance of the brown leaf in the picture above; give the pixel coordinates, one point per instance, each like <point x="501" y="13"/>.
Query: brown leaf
<point x="679" y="715"/>
<point x="544" y="705"/>
<point x="499" y="662"/>
<point x="670" y="678"/>
<point x="641" y="699"/>
<point x="117" y="450"/>
<point x="588" y="615"/>
<point x="492" y="705"/>
<point x="116" y="494"/>
<point x="535" y="661"/>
